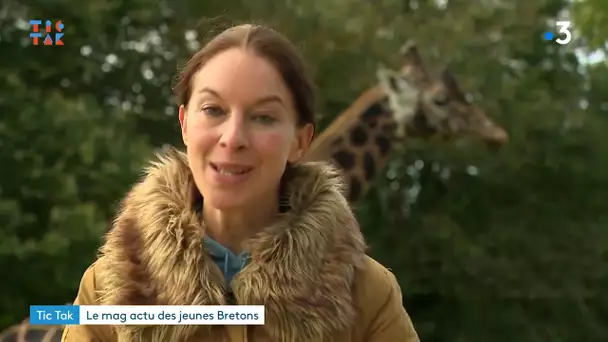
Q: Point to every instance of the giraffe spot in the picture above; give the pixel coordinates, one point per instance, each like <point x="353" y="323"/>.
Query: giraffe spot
<point x="372" y="112"/>
<point x="345" y="159"/>
<point x="338" y="141"/>
<point x="369" y="165"/>
<point x="384" y="144"/>
<point x="389" y="127"/>
<point x="358" y="136"/>
<point x="354" y="189"/>
<point x="385" y="103"/>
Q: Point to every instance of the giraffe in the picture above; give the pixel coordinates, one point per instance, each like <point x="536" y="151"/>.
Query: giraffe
<point x="24" y="332"/>
<point x="406" y="103"/>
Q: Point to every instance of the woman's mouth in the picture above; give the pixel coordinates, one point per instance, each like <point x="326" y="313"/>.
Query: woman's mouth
<point x="228" y="173"/>
<point x="230" y="169"/>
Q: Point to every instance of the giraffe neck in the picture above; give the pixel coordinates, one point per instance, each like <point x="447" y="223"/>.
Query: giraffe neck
<point x="359" y="142"/>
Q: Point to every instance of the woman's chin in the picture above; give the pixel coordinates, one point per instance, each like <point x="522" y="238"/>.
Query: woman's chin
<point x="227" y="200"/>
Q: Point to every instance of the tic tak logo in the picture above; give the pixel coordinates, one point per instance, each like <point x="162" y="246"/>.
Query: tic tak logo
<point x="51" y="34"/>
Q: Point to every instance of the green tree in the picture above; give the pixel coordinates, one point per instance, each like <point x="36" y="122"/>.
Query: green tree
<point x="64" y="165"/>
<point x="591" y="19"/>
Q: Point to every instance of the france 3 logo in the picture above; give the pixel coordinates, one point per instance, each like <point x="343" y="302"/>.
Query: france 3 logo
<point x="563" y="35"/>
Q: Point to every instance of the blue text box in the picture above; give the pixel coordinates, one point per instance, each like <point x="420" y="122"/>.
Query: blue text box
<point x="54" y="314"/>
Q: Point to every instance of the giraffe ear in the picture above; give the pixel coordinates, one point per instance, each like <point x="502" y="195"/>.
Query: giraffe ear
<point x="412" y="62"/>
<point x="451" y="84"/>
<point x="448" y="78"/>
<point x="410" y="53"/>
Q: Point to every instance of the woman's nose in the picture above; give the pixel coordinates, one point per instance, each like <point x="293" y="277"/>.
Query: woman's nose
<point x="234" y="134"/>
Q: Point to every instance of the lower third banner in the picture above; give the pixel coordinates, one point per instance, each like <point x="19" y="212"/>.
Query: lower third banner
<point x="146" y="315"/>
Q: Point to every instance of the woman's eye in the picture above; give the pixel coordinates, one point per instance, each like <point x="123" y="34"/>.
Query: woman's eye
<point x="212" y="111"/>
<point x="265" y="119"/>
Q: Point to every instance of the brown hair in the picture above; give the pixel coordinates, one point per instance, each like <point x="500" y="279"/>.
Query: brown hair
<point x="267" y="43"/>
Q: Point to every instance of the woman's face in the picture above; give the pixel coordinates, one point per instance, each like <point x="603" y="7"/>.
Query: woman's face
<point x="240" y="129"/>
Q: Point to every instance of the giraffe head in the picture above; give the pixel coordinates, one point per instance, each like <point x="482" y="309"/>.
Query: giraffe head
<point x="425" y="105"/>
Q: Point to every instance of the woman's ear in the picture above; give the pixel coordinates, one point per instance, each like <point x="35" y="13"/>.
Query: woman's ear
<point x="183" y="120"/>
<point x="303" y="139"/>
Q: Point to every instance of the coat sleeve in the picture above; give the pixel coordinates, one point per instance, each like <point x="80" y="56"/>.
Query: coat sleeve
<point x="87" y="295"/>
<point x="387" y="319"/>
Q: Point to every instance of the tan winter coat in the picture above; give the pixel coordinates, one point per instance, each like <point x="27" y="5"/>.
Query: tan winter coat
<point x="330" y="290"/>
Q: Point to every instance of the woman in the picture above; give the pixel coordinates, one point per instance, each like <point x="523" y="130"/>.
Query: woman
<point x="236" y="219"/>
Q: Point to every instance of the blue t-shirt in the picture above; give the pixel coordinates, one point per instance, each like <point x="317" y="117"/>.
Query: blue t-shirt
<point x="225" y="259"/>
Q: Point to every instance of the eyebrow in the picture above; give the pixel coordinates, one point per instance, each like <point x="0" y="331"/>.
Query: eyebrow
<point x="266" y="99"/>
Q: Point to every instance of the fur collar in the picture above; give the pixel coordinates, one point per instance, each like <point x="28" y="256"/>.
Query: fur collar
<point x="302" y="267"/>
